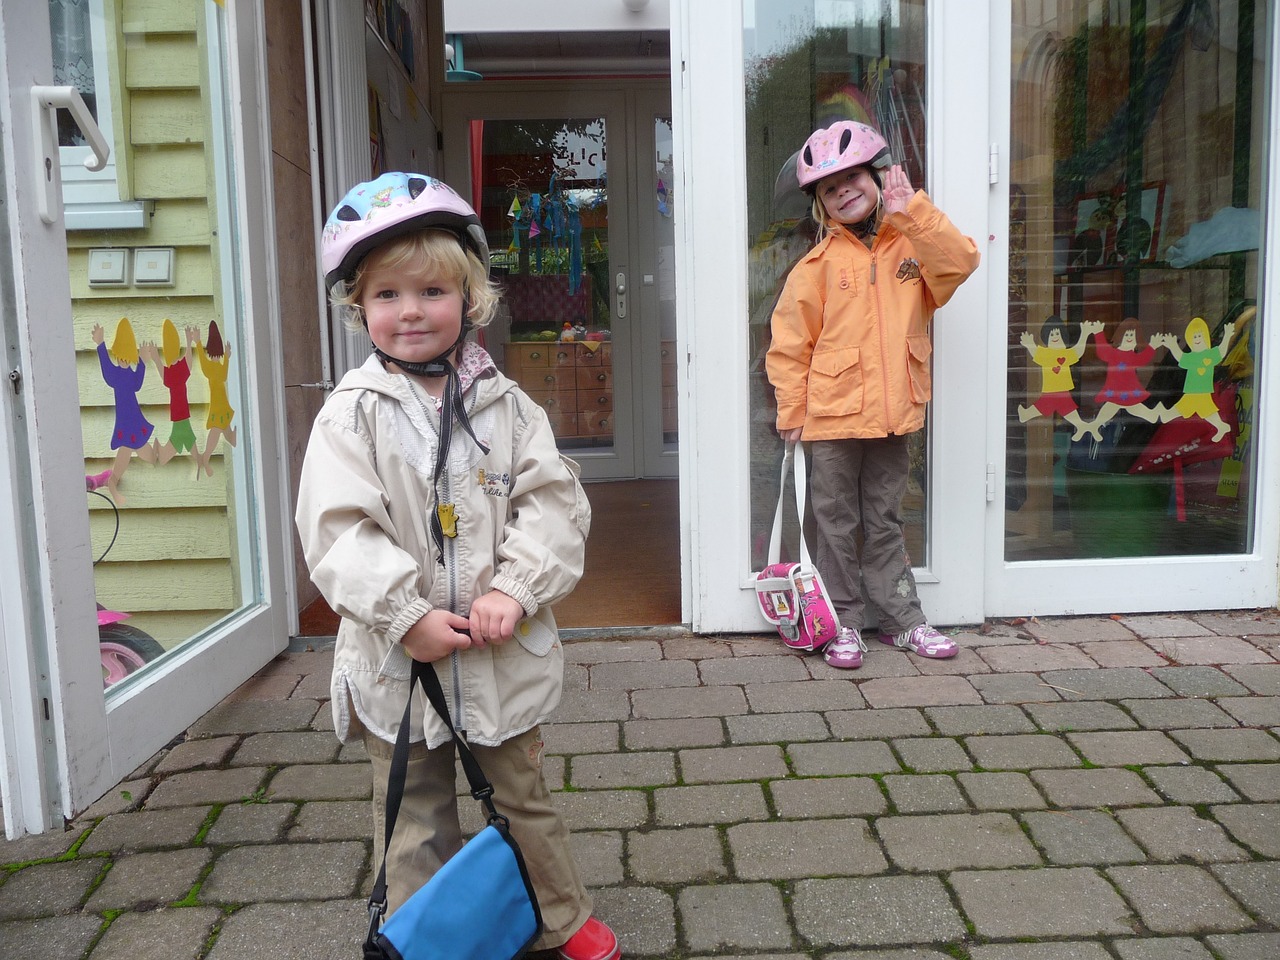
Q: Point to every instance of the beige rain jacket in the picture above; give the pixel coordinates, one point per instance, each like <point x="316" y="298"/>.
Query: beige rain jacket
<point x="363" y="509"/>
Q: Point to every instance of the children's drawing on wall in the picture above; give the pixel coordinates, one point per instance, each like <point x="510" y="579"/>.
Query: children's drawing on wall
<point x="1122" y="390"/>
<point x="1055" y="360"/>
<point x="1199" y="361"/>
<point x="124" y="371"/>
<point x="173" y="363"/>
<point x="215" y="364"/>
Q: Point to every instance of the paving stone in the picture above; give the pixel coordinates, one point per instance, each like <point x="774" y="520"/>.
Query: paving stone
<point x="645" y="675"/>
<point x="1011" y="903"/>
<point x="1075" y="838"/>
<point x="332" y="930"/>
<point x="255" y="716"/>
<point x="644" y="917"/>
<point x="1001" y="791"/>
<point x="932" y="754"/>
<point x="1256" y="885"/>
<point x="602" y="771"/>
<point x="840" y="759"/>
<point x="69" y="935"/>
<point x="553" y="771"/>
<point x="678" y="856"/>
<point x="1127" y="747"/>
<point x="827" y="797"/>
<point x="1093" y="788"/>
<point x="1058" y="950"/>
<point x="1198" y="650"/>
<point x="1255" y="825"/>
<point x="1161" y="948"/>
<point x="688" y="702"/>
<point x="1229" y="745"/>
<point x="920" y="793"/>
<point x="563" y="738"/>
<point x="1177" y="833"/>
<point x="1245" y="946"/>
<point x="203" y="787"/>
<point x="878" y="724"/>
<point x="880" y="662"/>
<point x="695" y="648"/>
<point x="673" y="734"/>
<point x="918" y="691"/>
<point x="286" y="872"/>
<point x="149" y="879"/>
<point x="194" y="754"/>
<point x="1036" y="659"/>
<point x="611" y="651"/>
<point x="791" y="849"/>
<point x="993" y="633"/>
<point x="1178" y="899"/>
<point x="42" y="846"/>
<point x="1158" y="626"/>
<point x="598" y="855"/>
<point x="46" y="889"/>
<point x="1198" y="682"/>
<point x="1122" y="653"/>
<point x="333" y="820"/>
<point x="1190" y="784"/>
<point x="173" y="933"/>
<point x="730" y="764"/>
<point x="1021" y="752"/>
<point x="1259" y="678"/>
<point x="1240" y="623"/>
<point x="754" y="670"/>
<point x="323" y="720"/>
<point x="314" y="781"/>
<point x="587" y="705"/>
<point x="603" y="809"/>
<point x="890" y="911"/>
<point x="1080" y="715"/>
<point x="1014" y="688"/>
<point x="1077" y="629"/>
<point x="278" y="749"/>
<point x="145" y="830"/>
<point x="1253" y="711"/>
<point x="1257" y="781"/>
<point x="1178" y="714"/>
<point x="906" y="953"/>
<point x="1117" y="684"/>
<point x="966" y="663"/>
<point x="972" y="721"/>
<point x="714" y="803"/>
<point x="747" y="916"/>
<point x="239" y="823"/>
<point x="804" y="696"/>
<point x="955" y="842"/>
<point x="274" y="687"/>
<point x="781" y="728"/>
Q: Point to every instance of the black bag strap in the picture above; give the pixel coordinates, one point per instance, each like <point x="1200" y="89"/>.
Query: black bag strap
<point x="424" y="674"/>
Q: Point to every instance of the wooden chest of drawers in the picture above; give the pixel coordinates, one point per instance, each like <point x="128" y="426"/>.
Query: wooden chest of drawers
<point x="571" y="380"/>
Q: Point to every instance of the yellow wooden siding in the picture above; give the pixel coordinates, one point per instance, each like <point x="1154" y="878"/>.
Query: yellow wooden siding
<point x="167" y="117"/>
<point x="161" y="585"/>
<point x="147" y="314"/>
<point x="183" y="533"/>
<point x="154" y="395"/>
<point x="171" y="628"/>
<point x="163" y="62"/>
<point x="149" y="486"/>
<point x="192" y="277"/>
<point x="173" y="223"/>
<point x="161" y="173"/>
<point x="161" y="16"/>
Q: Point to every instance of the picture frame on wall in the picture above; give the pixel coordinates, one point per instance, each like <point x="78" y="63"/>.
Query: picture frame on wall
<point x="1104" y="235"/>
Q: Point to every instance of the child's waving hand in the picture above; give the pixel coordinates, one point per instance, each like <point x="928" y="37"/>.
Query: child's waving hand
<point x="897" y="190"/>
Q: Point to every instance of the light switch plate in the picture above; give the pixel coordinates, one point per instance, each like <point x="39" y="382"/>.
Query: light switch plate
<point x="153" y="267"/>
<point x="108" y="267"/>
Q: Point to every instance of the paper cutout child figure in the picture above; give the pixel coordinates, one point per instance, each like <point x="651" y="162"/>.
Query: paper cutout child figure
<point x="173" y="363"/>
<point x="1122" y="390"/>
<point x="1055" y="360"/>
<point x="215" y="363"/>
<point x="123" y="370"/>
<point x="1199" y="361"/>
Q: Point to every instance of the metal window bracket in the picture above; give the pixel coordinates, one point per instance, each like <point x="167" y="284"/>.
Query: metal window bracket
<point x="45" y="104"/>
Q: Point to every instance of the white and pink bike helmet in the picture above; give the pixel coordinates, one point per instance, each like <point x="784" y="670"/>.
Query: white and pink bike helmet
<point x="394" y="204"/>
<point x="843" y="145"/>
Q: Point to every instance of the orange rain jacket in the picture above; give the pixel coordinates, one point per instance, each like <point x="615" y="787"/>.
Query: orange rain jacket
<point x="850" y="349"/>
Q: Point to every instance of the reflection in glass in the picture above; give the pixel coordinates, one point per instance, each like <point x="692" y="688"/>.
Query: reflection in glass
<point x="808" y="65"/>
<point x="1134" y="320"/>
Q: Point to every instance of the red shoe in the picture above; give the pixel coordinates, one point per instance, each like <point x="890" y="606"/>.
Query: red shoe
<point x="594" y="941"/>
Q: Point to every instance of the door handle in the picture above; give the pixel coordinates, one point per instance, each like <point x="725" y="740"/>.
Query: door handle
<point x="45" y="103"/>
<point x="621" y="290"/>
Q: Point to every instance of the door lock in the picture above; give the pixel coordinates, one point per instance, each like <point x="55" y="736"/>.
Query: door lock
<point x="621" y="289"/>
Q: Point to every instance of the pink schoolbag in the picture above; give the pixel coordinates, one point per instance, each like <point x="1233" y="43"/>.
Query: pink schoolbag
<point x="792" y="596"/>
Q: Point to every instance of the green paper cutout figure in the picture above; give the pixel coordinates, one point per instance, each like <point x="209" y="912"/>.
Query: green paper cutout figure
<point x="1199" y="362"/>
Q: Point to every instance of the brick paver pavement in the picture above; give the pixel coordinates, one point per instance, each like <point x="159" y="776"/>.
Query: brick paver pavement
<point x="1072" y="787"/>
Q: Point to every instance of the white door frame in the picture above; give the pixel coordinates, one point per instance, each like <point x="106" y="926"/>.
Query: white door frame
<point x="50" y="667"/>
<point x="715" y="485"/>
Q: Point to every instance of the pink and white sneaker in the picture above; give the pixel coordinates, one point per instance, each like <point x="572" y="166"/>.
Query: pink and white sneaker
<point x="845" y="651"/>
<point x="923" y="641"/>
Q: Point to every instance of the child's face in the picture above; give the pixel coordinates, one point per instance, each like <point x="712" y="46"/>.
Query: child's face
<point x="849" y="196"/>
<point x="1055" y="338"/>
<point x="412" y="314"/>
<point x="1129" y="341"/>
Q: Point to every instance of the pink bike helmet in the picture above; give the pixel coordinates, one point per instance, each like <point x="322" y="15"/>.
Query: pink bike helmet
<point x="844" y="144"/>
<point x="394" y="204"/>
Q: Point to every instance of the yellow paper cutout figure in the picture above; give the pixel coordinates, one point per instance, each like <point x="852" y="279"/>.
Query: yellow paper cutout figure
<point x="1055" y="360"/>
<point x="215" y="363"/>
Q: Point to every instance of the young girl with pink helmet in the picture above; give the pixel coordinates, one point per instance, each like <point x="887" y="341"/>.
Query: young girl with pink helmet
<point x="441" y="523"/>
<point x="849" y="362"/>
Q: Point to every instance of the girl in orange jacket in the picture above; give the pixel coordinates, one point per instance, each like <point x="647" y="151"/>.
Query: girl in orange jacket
<point x="849" y="362"/>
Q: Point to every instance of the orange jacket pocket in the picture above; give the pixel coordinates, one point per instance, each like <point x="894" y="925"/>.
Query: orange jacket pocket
<point x="919" y="349"/>
<point x="835" y="382"/>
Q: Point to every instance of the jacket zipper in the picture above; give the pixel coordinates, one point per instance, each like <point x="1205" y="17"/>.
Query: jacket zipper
<point x="884" y="356"/>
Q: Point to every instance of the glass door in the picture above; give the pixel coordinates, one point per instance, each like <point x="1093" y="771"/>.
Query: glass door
<point x="1137" y="320"/>
<point x="152" y="559"/>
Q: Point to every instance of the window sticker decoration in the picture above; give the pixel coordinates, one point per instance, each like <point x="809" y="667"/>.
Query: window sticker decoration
<point x="1055" y="360"/>
<point x="173" y="364"/>
<point x="123" y="370"/>
<point x="1122" y="390"/>
<point x="215" y="364"/>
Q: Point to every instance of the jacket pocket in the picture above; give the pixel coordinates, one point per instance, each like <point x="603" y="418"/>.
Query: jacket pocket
<point x="835" y="382"/>
<point x="919" y="349"/>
